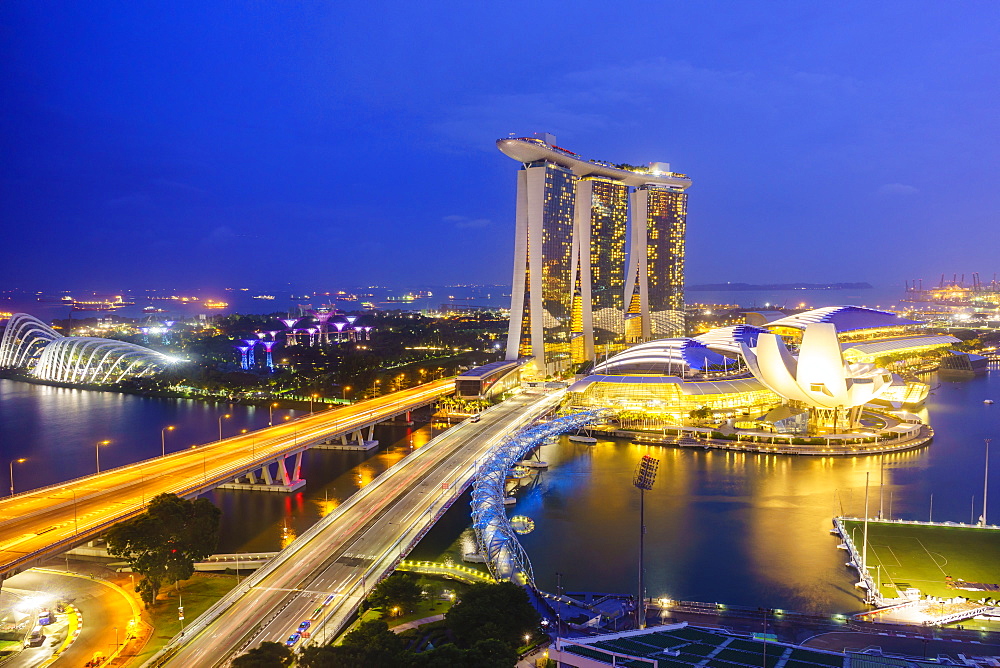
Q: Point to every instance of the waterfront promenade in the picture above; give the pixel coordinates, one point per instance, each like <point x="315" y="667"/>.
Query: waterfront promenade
<point x="695" y="437"/>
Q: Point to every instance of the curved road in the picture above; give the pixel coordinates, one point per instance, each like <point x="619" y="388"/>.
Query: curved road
<point x="345" y="553"/>
<point x="102" y="607"/>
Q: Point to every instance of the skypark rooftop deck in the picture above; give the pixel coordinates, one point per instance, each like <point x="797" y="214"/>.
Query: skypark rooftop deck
<point x="531" y="149"/>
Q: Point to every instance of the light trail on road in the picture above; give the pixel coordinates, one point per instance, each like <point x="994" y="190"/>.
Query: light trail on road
<point x="348" y="551"/>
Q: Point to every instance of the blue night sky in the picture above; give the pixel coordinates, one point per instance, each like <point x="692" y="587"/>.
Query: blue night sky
<point x="194" y="144"/>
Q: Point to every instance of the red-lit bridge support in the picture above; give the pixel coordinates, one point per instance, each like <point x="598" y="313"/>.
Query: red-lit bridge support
<point x="262" y="479"/>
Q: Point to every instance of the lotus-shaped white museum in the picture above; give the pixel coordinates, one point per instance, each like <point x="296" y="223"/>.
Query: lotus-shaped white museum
<point x="819" y="378"/>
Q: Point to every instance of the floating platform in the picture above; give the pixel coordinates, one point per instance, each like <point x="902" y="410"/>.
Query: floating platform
<point x="264" y="487"/>
<point x="353" y="445"/>
<point x="583" y="439"/>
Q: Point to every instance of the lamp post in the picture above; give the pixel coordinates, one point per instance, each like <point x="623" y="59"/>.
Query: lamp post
<point x="12" y="462"/>
<point x="312" y="398"/>
<point x="97" y="451"/>
<point x="645" y="476"/>
<point x="270" y="413"/>
<point x="986" y="479"/>
<point x="221" y="418"/>
<point x="163" y="439"/>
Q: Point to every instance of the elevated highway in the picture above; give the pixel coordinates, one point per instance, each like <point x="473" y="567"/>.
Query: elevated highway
<point x="39" y="523"/>
<point x="325" y="574"/>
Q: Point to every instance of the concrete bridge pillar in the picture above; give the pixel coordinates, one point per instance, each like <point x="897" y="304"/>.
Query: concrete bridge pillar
<point x="264" y="480"/>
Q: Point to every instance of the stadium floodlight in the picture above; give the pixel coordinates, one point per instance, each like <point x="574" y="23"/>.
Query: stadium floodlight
<point x="645" y="476"/>
<point x="645" y="473"/>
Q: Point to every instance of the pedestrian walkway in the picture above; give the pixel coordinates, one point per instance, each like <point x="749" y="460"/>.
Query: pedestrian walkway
<point x="406" y="626"/>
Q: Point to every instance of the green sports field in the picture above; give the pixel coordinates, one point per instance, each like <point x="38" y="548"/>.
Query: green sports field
<point x="924" y="556"/>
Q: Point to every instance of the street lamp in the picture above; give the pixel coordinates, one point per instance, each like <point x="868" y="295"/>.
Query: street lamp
<point x="645" y="476"/>
<point x="163" y="439"/>
<point x="344" y="391"/>
<point x="312" y="397"/>
<point x="12" y="462"/>
<point x="270" y="413"/>
<point x="97" y="451"/>
<point x="221" y="418"/>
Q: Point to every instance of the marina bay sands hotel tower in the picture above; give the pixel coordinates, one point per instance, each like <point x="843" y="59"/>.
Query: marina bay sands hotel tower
<point x="576" y="296"/>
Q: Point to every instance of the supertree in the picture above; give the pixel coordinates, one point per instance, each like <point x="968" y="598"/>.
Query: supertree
<point x="268" y="347"/>
<point x="290" y="335"/>
<point x="322" y="317"/>
<point x="340" y="330"/>
<point x="312" y="335"/>
<point x="244" y="364"/>
<point x="251" y="344"/>
<point x="368" y="332"/>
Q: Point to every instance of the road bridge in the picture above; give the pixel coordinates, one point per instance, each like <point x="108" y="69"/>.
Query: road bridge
<point x="40" y="523"/>
<point x="325" y="574"/>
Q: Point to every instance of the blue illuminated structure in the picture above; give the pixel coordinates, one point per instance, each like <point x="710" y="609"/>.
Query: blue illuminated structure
<point x="497" y="539"/>
<point x="251" y="343"/>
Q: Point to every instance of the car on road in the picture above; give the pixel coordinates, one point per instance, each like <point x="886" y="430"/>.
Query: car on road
<point x="304" y="625"/>
<point x="292" y="639"/>
<point x="475" y="418"/>
<point x="36" y="638"/>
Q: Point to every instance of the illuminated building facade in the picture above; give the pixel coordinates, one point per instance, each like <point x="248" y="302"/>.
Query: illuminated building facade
<point x="599" y="240"/>
<point x="656" y="263"/>
<point x="541" y="306"/>
<point x="569" y="286"/>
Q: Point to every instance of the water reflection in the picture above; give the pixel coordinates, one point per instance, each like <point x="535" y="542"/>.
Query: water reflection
<point x="744" y="528"/>
<point x="733" y="527"/>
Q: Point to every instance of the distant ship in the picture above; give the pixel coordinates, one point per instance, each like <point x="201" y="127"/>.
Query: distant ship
<point x="101" y="303"/>
<point x="211" y="303"/>
<point x="263" y="296"/>
<point x="65" y="299"/>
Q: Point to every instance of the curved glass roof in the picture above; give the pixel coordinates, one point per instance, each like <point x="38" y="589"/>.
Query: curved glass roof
<point x="728" y="339"/>
<point x="665" y="357"/>
<point x="844" y="318"/>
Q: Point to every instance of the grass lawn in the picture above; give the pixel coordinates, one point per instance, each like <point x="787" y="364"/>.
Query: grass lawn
<point x="921" y="556"/>
<point x="426" y="608"/>
<point x="199" y="593"/>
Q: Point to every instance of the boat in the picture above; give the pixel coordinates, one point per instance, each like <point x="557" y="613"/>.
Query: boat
<point x="533" y="464"/>
<point x="211" y="303"/>
<point x="583" y="439"/>
<point x="987" y="401"/>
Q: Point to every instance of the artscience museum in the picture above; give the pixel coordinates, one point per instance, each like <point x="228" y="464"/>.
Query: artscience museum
<point x="816" y="374"/>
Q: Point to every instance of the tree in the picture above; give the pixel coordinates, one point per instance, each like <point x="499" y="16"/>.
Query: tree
<point x="500" y="611"/>
<point x="163" y="543"/>
<point x="371" y="644"/>
<point x="265" y="655"/>
<point x="399" y="589"/>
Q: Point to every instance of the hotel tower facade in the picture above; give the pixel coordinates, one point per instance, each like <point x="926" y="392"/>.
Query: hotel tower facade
<point x="576" y="296"/>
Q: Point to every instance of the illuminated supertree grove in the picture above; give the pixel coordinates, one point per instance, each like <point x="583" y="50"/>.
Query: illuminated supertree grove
<point x="251" y="344"/>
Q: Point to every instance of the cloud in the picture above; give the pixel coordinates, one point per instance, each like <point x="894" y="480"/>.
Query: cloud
<point x="466" y="223"/>
<point x="218" y="238"/>
<point x="617" y="98"/>
<point x="893" y="189"/>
